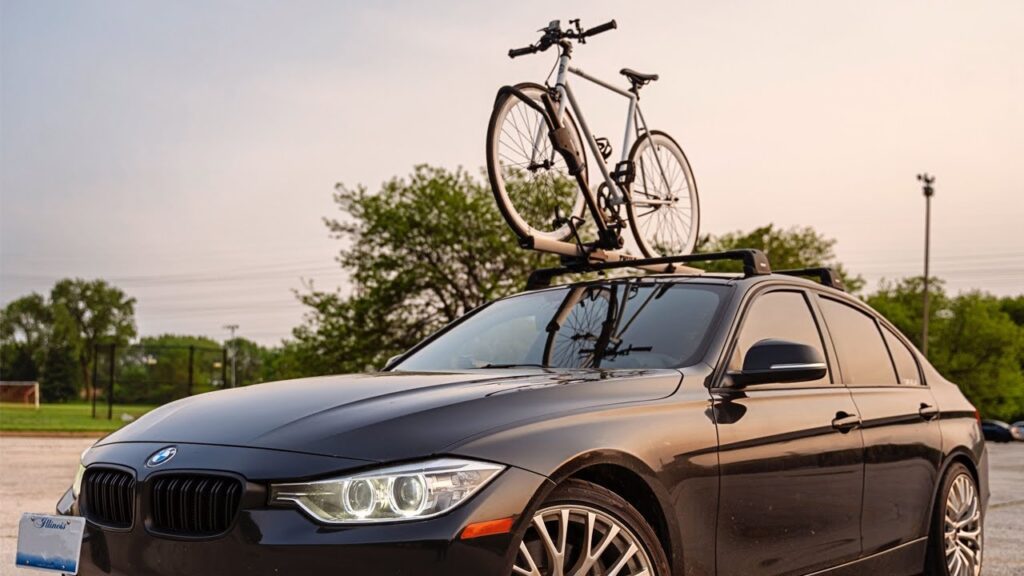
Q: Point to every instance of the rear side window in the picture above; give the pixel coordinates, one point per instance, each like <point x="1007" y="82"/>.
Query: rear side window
<point x="863" y="356"/>
<point x="906" y="366"/>
<point x="783" y="315"/>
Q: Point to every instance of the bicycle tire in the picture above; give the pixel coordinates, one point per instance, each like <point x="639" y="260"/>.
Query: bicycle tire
<point x="679" y="223"/>
<point x="525" y="209"/>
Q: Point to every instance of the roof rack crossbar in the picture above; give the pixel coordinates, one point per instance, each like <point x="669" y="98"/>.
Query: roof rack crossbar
<point x="755" y="263"/>
<point x="827" y="276"/>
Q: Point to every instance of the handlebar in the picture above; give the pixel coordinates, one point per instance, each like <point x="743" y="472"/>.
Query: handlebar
<point x="517" y="52"/>
<point x="610" y="25"/>
<point x="554" y="34"/>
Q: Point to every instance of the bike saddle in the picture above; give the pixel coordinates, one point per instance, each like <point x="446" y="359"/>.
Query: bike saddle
<point x="638" y="78"/>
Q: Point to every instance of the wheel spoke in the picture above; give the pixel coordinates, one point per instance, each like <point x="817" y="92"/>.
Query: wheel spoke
<point x="622" y="561"/>
<point x="592" y="541"/>
<point x="555" y="554"/>
<point x="531" y="564"/>
<point x="962" y="530"/>
<point x="668" y="226"/>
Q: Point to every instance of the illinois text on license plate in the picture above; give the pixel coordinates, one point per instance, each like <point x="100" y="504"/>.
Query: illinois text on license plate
<point x="50" y="542"/>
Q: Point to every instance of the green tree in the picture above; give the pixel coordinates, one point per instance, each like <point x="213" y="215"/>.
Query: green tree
<point x="420" y="253"/>
<point x="60" y="378"/>
<point x="284" y="362"/>
<point x="799" y="247"/>
<point x="973" y="340"/>
<point x="981" y="349"/>
<point x="1014" y="307"/>
<point x="26" y="326"/>
<point x="90" y="313"/>
<point x="157" y="369"/>
<point x="17" y="363"/>
<point x="249" y="358"/>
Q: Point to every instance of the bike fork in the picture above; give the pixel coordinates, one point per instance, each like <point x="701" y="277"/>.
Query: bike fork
<point x="608" y="237"/>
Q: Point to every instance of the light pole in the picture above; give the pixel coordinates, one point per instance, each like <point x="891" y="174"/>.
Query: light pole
<point x="926" y="183"/>
<point x="234" y="353"/>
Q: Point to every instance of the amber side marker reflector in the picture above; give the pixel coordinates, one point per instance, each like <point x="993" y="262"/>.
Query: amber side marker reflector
<point x="488" y="528"/>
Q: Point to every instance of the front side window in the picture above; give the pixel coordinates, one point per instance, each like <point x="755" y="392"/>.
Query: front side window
<point x="783" y="315"/>
<point x="621" y="324"/>
<point x="863" y="357"/>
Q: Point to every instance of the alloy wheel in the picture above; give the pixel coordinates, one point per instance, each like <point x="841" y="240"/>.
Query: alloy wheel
<point x="576" y="540"/>
<point x="962" y="532"/>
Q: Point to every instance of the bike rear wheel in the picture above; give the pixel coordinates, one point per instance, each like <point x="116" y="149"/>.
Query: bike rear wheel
<point x="664" y="210"/>
<point x="530" y="180"/>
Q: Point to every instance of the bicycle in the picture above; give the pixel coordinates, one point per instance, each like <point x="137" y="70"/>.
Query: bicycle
<point x="539" y="173"/>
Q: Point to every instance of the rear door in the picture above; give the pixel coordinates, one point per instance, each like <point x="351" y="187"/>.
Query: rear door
<point x="791" y="482"/>
<point x="903" y="445"/>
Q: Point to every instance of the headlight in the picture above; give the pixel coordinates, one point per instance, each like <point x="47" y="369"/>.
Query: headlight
<point x="76" y="486"/>
<point x="398" y="493"/>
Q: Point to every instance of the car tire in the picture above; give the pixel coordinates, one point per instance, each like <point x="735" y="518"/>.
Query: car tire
<point x="581" y="507"/>
<point x="960" y="500"/>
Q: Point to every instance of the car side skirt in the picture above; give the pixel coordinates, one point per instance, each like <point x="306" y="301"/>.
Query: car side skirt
<point x="903" y="560"/>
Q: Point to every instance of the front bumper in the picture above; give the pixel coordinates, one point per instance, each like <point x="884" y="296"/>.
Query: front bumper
<point x="276" y="541"/>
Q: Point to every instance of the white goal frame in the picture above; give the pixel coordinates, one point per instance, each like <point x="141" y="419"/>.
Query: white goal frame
<point x="34" y="385"/>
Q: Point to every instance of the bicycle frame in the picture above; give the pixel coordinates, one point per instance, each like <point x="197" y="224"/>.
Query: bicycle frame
<point x="635" y="122"/>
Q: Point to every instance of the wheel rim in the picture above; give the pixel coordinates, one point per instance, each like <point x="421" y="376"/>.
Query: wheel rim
<point x="664" y="199"/>
<point x="962" y="533"/>
<point x="580" y="541"/>
<point x="531" y="178"/>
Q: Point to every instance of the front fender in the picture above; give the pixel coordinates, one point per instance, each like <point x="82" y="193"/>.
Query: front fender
<point x="670" y="443"/>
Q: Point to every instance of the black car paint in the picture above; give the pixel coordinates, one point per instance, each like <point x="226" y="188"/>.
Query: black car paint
<point x="734" y="481"/>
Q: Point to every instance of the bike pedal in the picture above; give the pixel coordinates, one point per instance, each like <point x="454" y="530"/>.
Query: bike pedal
<point x="624" y="173"/>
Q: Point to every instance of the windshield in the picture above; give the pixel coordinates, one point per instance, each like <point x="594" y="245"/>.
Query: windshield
<point x="622" y="324"/>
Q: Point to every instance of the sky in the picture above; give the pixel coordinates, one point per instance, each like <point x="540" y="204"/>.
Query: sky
<point x="187" y="151"/>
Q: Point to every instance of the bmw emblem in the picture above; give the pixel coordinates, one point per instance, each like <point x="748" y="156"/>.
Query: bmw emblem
<point x="161" y="456"/>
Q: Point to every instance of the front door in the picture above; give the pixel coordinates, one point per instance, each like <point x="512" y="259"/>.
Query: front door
<point x="791" y="457"/>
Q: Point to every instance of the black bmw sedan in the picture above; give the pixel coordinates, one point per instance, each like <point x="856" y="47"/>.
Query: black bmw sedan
<point x="660" y="425"/>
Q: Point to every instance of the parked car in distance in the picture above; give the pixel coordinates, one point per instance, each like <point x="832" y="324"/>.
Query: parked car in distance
<point x="998" y="431"/>
<point x="707" y="425"/>
<point x="1018" y="430"/>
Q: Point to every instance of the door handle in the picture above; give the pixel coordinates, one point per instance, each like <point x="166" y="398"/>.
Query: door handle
<point x="928" y="412"/>
<point x="844" y="421"/>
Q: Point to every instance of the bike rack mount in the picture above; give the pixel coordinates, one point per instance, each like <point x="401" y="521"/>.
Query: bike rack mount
<point x="755" y="263"/>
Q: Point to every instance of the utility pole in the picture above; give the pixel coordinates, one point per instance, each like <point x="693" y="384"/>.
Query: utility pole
<point x="234" y="353"/>
<point x="926" y="183"/>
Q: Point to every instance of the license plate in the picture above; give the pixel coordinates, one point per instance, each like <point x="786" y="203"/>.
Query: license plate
<point x="51" y="543"/>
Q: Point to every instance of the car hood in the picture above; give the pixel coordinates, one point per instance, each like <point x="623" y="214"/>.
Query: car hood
<point x="389" y="415"/>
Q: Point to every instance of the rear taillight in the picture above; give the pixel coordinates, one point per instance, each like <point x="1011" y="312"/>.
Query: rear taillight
<point x="977" y="415"/>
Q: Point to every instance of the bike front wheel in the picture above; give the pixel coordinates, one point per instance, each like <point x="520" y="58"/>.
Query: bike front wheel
<point x="664" y="210"/>
<point x="530" y="180"/>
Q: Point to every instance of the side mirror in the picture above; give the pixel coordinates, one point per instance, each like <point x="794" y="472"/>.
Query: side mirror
<point x="776" y="361"/>
<point x="392" y="360"/>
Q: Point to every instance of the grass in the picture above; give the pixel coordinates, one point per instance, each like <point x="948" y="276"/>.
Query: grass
<point x="64" y="417"/>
